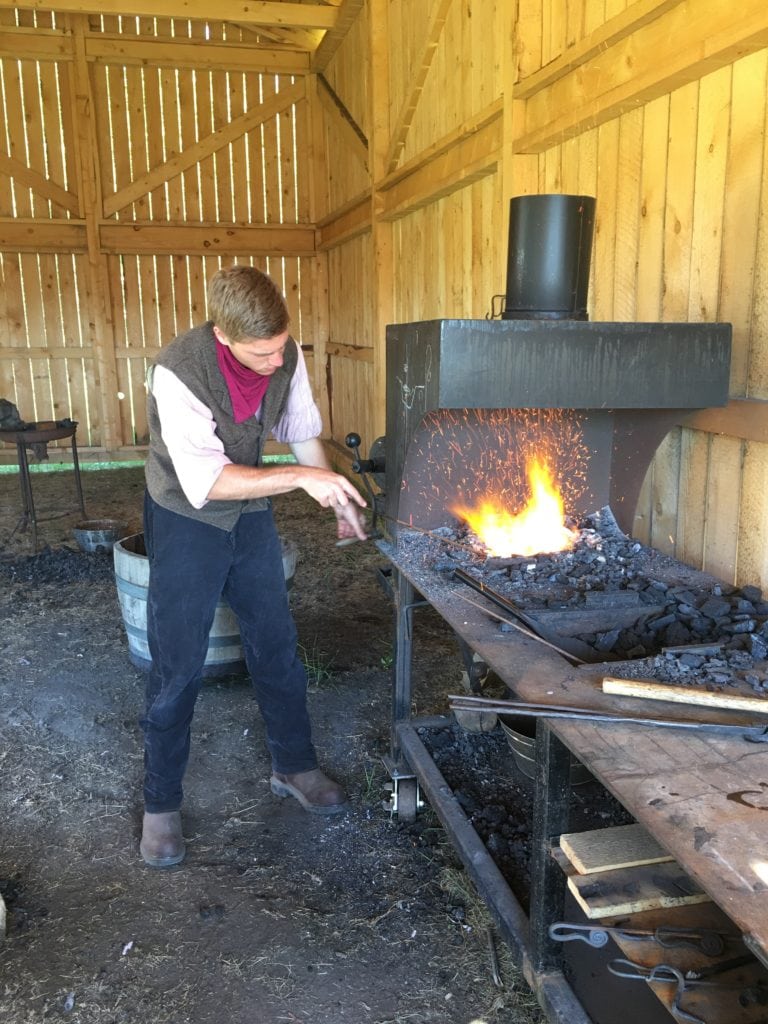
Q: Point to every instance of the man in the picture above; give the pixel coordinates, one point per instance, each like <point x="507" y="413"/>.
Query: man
<point x="214" y="395"/>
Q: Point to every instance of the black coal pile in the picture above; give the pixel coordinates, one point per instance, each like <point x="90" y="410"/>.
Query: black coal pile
<point x="497" y="798"/>
<point x="666" y="603"/>
<point x="58" y="565"/>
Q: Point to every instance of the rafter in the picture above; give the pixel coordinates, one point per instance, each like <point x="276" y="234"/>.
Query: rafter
<point x="252" y="12"/>
<point x="348" y="11"/>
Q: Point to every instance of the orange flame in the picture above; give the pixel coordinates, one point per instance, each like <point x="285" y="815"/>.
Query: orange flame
<point x="538" y="528"/>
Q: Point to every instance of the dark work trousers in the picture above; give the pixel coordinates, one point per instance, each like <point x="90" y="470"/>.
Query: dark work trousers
<point x="192" y="565"/>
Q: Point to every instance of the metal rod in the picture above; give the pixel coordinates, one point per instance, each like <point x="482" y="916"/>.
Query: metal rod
<point x="522" y="629"/>
<point x="749" y="730"/>
<point x="553" y="991"/>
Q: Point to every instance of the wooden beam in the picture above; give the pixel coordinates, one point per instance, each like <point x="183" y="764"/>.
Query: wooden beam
<point x="96" y="300"/>
<point x="27" y="235"/>
<point x="352" y="132"/>
<point x="422" y="62"/>
<point x="251" y="12"/>
<point x="481" y="120"/>
<point x="347" y="13"/>
<point x="359" y="352"/>
<point x="346" y="223"/>
<point x="200" y="55"/>
<point x="470" y="159"/>
<point x="44" y="187"/>
<point x="36" y="352"/>
<point x="35" y="44"/>
<point x="744" y="418"/>
<point x="608" y="34"/>
<point x="207" y="240"/>
<point x="205" y="147"/>
<point x="689" y="40"/>
<point x="291" y="38"/>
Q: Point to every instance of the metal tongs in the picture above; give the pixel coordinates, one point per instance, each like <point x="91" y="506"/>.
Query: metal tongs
<point x="705" y="940"/>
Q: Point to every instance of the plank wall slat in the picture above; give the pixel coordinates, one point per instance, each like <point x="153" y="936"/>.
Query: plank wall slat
<point x="711" y="161"/>
<point x="722" y="507"/>
<point x="606" y="215"/>
<point x="744" y="185"/>
<point x="681" y="172"/>
<point x="628" y="216"/>
<point x="757" y="380"/>
<point x="753" y="533"/>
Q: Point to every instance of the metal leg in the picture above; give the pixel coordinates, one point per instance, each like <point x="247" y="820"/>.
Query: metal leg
<point x="401" y="684"/>
<point x="78" y="481"/>
<point x="28" y="516"/>
<point x="550" y="819"/>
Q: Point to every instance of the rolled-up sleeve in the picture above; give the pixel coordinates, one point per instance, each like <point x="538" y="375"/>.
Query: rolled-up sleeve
<point x="188" y="430"/>
<point x="301" y="418"/>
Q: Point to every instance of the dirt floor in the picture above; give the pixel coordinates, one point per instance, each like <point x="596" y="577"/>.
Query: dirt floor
<point x="276" y="916"/>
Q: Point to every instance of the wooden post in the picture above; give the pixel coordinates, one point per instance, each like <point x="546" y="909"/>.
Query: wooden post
<point x="98" y="305"/>
<point x="318" y="207"/>
<point x="384" y="305"/>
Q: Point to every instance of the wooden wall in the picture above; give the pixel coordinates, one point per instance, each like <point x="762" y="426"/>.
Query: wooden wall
<point x="369" y="168"/>
<point x="139" y="155"/>
<point x="658" y="108"/>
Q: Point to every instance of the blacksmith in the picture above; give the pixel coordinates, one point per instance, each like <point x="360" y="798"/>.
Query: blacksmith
<point x="215" y="394"/>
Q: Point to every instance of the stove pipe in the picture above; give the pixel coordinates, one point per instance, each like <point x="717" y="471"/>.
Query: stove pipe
<point x="550" y="247"/>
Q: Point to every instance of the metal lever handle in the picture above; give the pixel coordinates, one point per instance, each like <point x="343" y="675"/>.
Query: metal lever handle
<point x="362" y="467"/>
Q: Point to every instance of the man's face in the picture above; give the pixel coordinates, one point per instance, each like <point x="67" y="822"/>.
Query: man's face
<point x="262" y="355"/>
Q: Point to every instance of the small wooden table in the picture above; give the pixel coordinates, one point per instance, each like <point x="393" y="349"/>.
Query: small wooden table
<point x="40" y="433"/>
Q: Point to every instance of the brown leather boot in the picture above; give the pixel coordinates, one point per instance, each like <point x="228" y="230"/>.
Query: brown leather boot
<point x="313" y="789"/>
<point x="162" y="844"/>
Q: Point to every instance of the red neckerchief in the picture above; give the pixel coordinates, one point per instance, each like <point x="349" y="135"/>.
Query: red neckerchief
<point x="246" y="387"/>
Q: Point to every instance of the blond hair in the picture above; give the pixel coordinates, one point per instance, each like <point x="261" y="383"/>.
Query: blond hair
<point x="245" y="303"/>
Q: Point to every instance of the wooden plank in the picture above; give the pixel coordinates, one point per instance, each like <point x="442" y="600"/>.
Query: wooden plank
<point x="472" y="158"/>
<point x="226" y="240"/>
<point x="648" y="689"/>
<point x="694" y="481"/>
<point x="652" y="61"/>
<point x="360" y="352"/>
<point x="26" y="235"/>
<point x="213" y="143"/>
<point x="254" y="12"/>
<point x="345" y="224"/>
<point x="681" y="171"/>
<point x="753" y="527"/>
<point x="209" y="56"/>
<point x="583" y="50"/>
<point x="633" y="890"/>
<point x="35" y="44"/>
<point x="608" y="849"/>
<point x="741" y="214"/>
<point x="104" y="409"/>
<point x="438" y="12"/>
<point x="744" y="418"/>
<point x="722" y="508"/>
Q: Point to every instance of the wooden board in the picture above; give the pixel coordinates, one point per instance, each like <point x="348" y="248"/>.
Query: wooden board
<point x="632" y="890"/>
<point x="647" y="689"/>
<point x="608" y="849"/>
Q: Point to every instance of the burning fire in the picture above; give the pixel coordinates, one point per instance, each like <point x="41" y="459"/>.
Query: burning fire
<point x="538" y="528"/>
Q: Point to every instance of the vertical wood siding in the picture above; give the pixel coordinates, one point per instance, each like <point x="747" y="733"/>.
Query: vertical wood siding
<point x="145" y="117"/>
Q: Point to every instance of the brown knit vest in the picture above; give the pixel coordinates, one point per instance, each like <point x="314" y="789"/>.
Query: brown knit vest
<point x="192" y="358"/>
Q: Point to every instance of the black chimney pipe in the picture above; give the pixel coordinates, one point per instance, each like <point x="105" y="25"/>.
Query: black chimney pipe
<point x="548" y="260"/>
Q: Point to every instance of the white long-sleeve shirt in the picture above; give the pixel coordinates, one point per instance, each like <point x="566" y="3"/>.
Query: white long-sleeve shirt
<point x="189" y="431"/>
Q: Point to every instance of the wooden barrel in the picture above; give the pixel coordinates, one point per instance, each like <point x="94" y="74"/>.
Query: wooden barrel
<point x="225" y="652"/>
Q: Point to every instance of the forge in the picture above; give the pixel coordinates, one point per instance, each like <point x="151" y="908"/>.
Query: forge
<point x="469" y="400"/>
